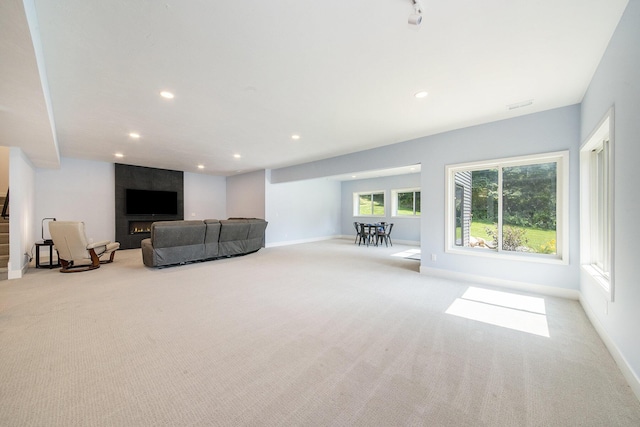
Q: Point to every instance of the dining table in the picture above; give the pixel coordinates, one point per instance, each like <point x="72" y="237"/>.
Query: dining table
<point x="370" y="232"/>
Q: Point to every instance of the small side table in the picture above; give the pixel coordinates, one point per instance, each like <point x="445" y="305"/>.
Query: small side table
<point x="50" y="264"/>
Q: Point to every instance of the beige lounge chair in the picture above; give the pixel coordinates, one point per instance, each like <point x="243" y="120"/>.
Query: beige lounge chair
<point x="74" y="252"/>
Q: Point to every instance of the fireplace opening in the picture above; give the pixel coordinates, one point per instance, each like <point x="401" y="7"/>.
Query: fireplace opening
<point x="138" y="227"/>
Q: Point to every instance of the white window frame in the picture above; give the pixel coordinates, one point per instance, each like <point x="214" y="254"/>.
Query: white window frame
<point x="394" y="202"/>
<point x="356" y="203"/>
<point x="562" y="207"/>
<point x="597" y="206"/>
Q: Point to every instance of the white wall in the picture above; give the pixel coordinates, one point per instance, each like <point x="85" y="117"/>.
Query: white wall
<point x="405" y="229"/>
<point x="84" y="190"/>
<point x="302" y="211"/>
<point x="205" y="196"/>
<point x="21" y="218"/>
<point x="548" y="131"/>
<point x="617" y="83"/>
<point x="81" y="190"/>
<point x="246" y="195"/>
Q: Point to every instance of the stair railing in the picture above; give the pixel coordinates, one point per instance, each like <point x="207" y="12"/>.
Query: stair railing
<point x="5" y="208"/>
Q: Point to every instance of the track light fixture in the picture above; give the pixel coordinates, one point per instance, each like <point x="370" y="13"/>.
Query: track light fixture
<point x="416" y="17"/>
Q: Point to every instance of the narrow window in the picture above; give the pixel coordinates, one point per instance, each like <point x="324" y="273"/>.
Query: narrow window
<point x="600" y="207"/>
<point x="596" y="205"/>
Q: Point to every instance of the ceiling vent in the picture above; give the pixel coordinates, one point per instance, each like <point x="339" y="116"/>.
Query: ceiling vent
<point x="520" y="104"/>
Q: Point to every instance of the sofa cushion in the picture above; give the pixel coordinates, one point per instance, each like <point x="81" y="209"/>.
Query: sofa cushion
<point x="211" y="238"/>
<point x="175" y="242"/>
<point x="177" y="233"/>
<point x="255" y="238"/>
<point x="233" y="236"/>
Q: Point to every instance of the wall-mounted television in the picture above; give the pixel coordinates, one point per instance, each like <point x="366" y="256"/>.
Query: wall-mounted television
<point x="150" y="202"/>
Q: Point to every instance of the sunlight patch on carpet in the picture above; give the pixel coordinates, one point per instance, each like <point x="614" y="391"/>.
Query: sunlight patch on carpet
<point x="409" y="253"/>
<point x="518" y="312"/>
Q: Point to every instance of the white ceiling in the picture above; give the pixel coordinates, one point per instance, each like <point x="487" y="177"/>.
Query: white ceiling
<point x="247" y="75"/>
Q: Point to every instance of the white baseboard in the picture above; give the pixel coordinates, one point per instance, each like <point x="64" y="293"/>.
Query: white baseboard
<point x="17" y="274"/>
<point x="339" y="236"/>
<point x="399" y="242"/>
<point x="297" y="242"/>
<point x="14" y="274"/>
<point x="406" y="242"/>
<point x="621" y="361"/>
<point x="511" y="284"/>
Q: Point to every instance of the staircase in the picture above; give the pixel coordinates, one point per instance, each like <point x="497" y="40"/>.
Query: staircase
<point x="4" y="245"/>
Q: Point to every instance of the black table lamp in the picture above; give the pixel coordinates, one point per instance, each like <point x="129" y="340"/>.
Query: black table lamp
<point x="48" y="241"/>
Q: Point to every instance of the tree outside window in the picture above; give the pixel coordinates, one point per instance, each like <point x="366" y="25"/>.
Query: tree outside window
<point x="513" y="205"/>
<point x="407" y="203"/>
<point x="370" y="204"/>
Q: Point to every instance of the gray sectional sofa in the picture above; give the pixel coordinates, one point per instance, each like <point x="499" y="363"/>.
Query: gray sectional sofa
<point x="180" y="242"/>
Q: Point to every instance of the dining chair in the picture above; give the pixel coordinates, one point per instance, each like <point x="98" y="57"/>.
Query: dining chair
<point x="384" y="233"/>
<point x="355" y="225"/>
<point x="363" y="234"/>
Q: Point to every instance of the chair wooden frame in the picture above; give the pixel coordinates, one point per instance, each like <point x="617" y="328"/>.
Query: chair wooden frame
<point x="68" y="267"/>
<point x="74" y="252"/>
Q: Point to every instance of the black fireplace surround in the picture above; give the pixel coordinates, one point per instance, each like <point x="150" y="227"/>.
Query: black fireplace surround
<point x="132" y="229"/>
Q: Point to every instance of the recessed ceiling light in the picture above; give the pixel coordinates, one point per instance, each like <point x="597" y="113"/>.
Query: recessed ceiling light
<point x="422" y="94"/>
<point x="237" y="156"/>
<point x="134" y="135"/>
<point x="353" y="176"/>
<point x="200" y="166"/>
<point x="166" y="94"/>
<point x="119" y="155"/>
<point x="295" y="136"/>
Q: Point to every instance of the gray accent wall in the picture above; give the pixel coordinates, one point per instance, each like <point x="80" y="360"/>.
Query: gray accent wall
<point x="143" y="178"/>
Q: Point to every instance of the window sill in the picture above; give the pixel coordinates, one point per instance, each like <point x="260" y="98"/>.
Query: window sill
<point x="603" y="282"/>
<point x="511" y="256"/>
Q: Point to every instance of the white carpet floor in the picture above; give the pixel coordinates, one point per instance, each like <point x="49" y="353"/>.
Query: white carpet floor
<point x="319" y="334"/>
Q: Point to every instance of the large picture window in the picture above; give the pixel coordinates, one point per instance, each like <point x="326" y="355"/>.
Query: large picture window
<point x="369" y="204"/>
<point x="509" y="206"/>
